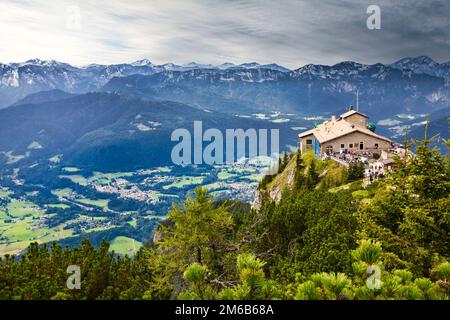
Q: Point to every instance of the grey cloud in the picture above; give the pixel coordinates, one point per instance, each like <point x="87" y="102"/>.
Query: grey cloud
<point x="288" y="32"/>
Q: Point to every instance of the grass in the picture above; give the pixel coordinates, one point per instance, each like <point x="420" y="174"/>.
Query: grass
<point x="153" y="217"/>
<point x="253" y="177"/>
<point x="124" y="245"/>
<point x="13" y="248"/>
<point x="97" y="203"/>
<point x="349" y="186"/>
<point x="213" y="186"/>
<point x="157" y="170"/>
<point x="336" y="175"/>
<point x="281" y="179"/>
<point x="20" y="234"/>
<point x="82" y="181"/>
<point x="5" y="194"/>
<point x="360" y="194"/>
<point x="24" y="231"/>
<point x="184" y="181"/>
<point x="133" y="222"/>
<point x="56" y="234"/>
<point x="3" y="215"/>
<point x="165" y="195"/>
<point x="218" y="193"/>
<point x="20" y="209"/>
<point x="308" y="157"/>
<point x="104" y="178"/>
<point x="224" y="175"/>
<point x="62" y="193"/>
<point x="97" y="229"/>
<point x="97" y="177"/>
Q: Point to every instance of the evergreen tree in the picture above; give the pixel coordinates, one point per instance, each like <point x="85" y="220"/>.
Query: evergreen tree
<point x="355" y="171"/>
<point x="313" y="243"/>
<point x="409" y="214"/>
<point x="200" y="232"/>
<point x="312" y="178"/>
<point x="299" y="178"/>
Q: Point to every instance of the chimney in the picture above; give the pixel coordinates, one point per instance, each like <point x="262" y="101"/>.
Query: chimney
<point x="333" y="118"/>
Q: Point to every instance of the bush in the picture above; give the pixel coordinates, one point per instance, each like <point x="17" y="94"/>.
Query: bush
<point x="355" y="171"/>
<point x="368" y="252"/>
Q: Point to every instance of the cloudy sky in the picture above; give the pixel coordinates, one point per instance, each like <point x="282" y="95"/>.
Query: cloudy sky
<point x="288" y="32"/>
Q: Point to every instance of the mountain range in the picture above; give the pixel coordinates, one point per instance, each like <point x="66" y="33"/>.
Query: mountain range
<point x="18" y="80"/>
<point x="103" y="131"/>
<point x="410" y="84"/>
<point x="313" y="89"/>
<point x="117" y="116"/>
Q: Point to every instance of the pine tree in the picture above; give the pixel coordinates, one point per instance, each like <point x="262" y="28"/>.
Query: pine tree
<point x="312" y="178"/>
<point x="200" y="231"/>
<point x="355" y="171"/>
<point x="299" y="178"/>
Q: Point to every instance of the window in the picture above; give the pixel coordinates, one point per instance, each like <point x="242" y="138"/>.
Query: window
<point x="308" y="144"/>
<point x="350" y="145"/>
<point x="361" y="146"/>
<point x="342" y="145"/>
<point x="376" y="145"/>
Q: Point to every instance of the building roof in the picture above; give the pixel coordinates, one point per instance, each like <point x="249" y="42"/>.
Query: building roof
<point x="352" y="112"/>
<point x="306" y="133"/>
<point x="330" y="130"/>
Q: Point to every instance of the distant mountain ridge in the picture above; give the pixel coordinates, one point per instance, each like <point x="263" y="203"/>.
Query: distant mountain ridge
<point x="313" y="89"/>
<point x="18" y="80"/>
<point x="425" y="65"/>
<point x="407" y="88"/>
<point x="105" y="131"/>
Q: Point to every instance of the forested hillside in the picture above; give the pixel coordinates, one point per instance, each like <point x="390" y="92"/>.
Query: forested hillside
<point x="327" y="237"/>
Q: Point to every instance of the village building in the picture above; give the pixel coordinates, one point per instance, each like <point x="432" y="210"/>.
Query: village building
<point x="348" y="133"/>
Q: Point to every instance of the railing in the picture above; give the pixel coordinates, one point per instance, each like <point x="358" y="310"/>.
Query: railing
<point x="342" y="162"/>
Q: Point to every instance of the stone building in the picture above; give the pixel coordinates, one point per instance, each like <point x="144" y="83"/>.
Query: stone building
<point x="347" y="133"/>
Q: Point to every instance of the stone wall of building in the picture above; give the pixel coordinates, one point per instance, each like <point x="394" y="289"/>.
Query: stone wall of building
<point x="303" y="146"/>
<point x="353" y="140"/>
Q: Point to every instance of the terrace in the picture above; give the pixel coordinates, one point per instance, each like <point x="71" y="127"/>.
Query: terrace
<point x="376" y="162"/>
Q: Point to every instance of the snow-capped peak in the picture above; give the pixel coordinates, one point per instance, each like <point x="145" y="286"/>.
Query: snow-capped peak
<point x="171" y="67"/>
<point x="226" y="65"/>
<point x="45" y="63"/>
<point x="274" y="66"/>
<point x="249" y="65"/>
<point x="195" y="65"/>
<point x="38" y="62"/>
<point x="347" y="65"/>
<point x="413" y="63"/>
<point x="141" y="63"/>
<point x="422" y="64"/>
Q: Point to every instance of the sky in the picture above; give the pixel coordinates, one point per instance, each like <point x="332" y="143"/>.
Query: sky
<point x="288" y="32"/>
